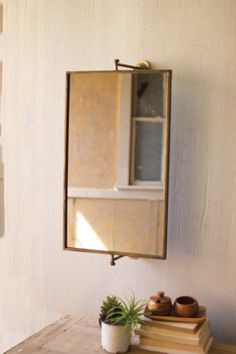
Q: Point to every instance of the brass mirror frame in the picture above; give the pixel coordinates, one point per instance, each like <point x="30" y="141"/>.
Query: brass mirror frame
<point x="167" y="163"/>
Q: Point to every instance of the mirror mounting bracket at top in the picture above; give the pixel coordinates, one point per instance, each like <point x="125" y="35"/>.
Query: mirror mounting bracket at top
<point x="142" y="64"/>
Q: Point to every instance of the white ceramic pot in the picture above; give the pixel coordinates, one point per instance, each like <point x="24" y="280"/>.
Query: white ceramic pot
<point x="115" y="339"/>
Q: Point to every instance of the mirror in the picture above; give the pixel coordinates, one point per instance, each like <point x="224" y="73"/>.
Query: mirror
<point x="117" y="157"/>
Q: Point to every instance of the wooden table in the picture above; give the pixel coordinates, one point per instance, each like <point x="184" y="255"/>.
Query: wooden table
<point x="71" y="335"/>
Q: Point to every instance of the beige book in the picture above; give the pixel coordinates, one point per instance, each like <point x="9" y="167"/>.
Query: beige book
<point x="176" y="339"/>
<point x="175" y="326"/>
<point x="174" y="348"/>
<point x="176" y="336"/>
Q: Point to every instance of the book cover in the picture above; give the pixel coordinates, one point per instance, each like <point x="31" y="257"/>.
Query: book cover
<point x="174" y="348"/>
<point x="175" y="326"/>
<point x="176" y="339"/>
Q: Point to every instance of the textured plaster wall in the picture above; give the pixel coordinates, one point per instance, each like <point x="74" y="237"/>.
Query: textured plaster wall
<point x="43" y="39"/>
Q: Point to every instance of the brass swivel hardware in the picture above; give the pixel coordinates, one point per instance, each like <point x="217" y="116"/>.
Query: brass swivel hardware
<point x="142" y="64"/>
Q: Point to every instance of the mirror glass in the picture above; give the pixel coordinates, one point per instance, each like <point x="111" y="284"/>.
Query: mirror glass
<point x="117" y="159"/>
<point x="148" y="151"/>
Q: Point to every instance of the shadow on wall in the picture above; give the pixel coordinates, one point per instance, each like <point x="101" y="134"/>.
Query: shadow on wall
<point x="2" y="211"/>
<point x="188" y="165"/>
<point x="198" y="202"/>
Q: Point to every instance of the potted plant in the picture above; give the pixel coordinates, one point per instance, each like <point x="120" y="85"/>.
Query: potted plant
<point x="118" y="318"/>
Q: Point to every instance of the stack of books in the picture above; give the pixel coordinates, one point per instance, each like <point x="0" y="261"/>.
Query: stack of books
<point x="175" y="337"/>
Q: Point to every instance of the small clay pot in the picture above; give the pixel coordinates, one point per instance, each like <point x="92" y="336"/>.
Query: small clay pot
<point x="159" y="304"/>
<point x="186" y="306"/>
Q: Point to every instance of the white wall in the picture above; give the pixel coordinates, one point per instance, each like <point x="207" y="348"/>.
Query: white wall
<point x="43" y="39"/>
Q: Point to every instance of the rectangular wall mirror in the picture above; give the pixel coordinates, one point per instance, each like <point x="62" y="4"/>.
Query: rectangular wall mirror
<point x="117" y="162"/>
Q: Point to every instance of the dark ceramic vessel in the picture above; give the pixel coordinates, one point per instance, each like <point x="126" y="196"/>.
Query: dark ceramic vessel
<point x="186" y="306"/>
<point x="159" y="304"/>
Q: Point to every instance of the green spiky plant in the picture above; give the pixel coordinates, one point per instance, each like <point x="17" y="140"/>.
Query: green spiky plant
<point x="115" y="311"/>
<point x="109" y="308"/>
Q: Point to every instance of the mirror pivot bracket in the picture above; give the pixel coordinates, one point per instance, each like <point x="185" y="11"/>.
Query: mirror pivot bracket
<point x="114" y="258"/>
<point x="142" y="64"/>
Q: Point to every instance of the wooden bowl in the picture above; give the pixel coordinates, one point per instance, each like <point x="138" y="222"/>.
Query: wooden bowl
<point x="186" y="306"/>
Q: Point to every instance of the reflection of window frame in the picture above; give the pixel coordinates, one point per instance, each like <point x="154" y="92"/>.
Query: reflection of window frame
<point x="147" y="120"/>
<point x="126" y="144"/>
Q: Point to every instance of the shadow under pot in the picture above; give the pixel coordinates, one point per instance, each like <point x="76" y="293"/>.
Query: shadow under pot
<point x="159" y="304"/>
<point x="186" y="306"/>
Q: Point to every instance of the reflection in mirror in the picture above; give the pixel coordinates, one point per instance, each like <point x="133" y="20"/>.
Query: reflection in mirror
<point x="117" y="148"/>
<point x="148" y="94"/>
<point x="148" y="151"/>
